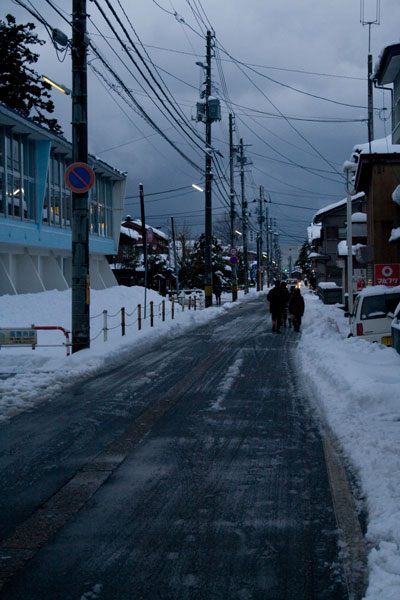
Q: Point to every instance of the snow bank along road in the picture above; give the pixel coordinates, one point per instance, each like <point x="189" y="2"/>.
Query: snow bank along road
<point x="196" y="469"/>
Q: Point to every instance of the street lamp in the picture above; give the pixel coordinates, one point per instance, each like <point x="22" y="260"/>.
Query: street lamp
<point x="59" y="86"/>
<point x="197" y="187"/>
<point x="349" y="168"/>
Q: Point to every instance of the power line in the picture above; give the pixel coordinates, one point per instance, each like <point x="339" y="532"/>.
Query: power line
<point x="286" y="85"/>
<point x="178" y="123"/>
<point x="143" y="113"/>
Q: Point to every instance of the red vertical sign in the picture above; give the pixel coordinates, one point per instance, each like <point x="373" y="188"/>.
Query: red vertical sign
<point x="387" y="275"/>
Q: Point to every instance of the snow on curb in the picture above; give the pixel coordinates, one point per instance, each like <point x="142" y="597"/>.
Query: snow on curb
<point x="358" y="386"/>
<point x="37" y="375"/>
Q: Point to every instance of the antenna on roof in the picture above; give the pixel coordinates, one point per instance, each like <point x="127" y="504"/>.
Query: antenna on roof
<point x="370" y="17"/>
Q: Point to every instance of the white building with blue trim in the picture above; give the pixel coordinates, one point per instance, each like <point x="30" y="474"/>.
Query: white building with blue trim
<point x="36" y="210"/>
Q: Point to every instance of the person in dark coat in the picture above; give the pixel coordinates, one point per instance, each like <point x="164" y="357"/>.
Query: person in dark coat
<point x="286" y="295"/>
<point x="217" y="291"/>
<point x="277" y="300"/>
<point x="296" y="308"/>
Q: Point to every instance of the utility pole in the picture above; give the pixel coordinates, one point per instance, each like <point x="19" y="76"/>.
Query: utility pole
<point x="370" y="19"/>
<point x="232" y="205"/>
<point x="208" y="182"/>
<point x="80" y="210"/>
<point x="144" y="238"/>
<point x="259" y="241"/>
<point x="174" y="252"/>
<point x="267" y="244"/>
<point x="244" y="219"/>
<point x="370" y="102"/>
<point x="349" y="169"/>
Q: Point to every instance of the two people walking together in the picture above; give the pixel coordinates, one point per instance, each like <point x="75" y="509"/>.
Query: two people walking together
<point x="281" y="302"/>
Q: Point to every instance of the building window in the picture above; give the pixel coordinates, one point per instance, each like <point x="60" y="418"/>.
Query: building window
<point x="58" y="198"/>
<point x="332" y="233"/>
<point x="17" y="192"/>
<point x="101" y="208"/>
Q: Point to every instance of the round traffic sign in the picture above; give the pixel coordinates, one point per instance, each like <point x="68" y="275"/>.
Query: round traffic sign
<point x="79" y="177"/>
<point x="234" y="260"/>
<point x="233" y="251"/>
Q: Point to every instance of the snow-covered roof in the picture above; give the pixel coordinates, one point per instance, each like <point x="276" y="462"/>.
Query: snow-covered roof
<point x="342" y="248"/>
<point x="380" y="146"/>
<point x="395" y="235"/>
<point x="155" y="230"/>
<point x="337" y="204"/>
<point x="132" y="233"/>
<point x="314" y="232"/>
<point x="387" y="65"/>
<point x="158" y="232"/>
<point x="359" y="217"/>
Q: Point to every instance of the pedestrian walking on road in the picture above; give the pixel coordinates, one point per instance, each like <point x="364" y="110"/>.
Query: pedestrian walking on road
<point x="296" y="308"/>
<point x="286" y="294"/>
<point x="217" y="291"/>
<point x="277" y="300"/>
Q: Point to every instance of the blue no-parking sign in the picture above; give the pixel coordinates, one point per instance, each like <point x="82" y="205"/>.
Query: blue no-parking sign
<point x="79" y="177"/>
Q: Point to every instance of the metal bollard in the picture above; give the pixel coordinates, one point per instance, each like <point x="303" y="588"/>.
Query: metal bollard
<point x="190" y="302"/>
<point x="139" y="316"/>
<point x="194" y="303"/>
<point x="123" y="320"/>
<point x="172" y="308"/>
<point x="163" y="310"/>
<point x="105" y="324"/>
<point x="151" y="313"/>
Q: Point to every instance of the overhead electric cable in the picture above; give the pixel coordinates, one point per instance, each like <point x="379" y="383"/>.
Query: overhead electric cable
<point x="178" y="123"/>
<point x="173" y="103"/>
<point x="147" y="118"/>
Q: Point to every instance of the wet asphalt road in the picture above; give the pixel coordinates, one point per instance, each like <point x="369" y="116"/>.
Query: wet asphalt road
<point x="222" y="494"/>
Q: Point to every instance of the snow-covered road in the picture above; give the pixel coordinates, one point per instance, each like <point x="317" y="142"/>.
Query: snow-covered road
<point x="190" y="470"/>
<point x="357" y="386"/>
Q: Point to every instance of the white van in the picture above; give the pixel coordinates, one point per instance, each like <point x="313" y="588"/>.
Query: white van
<point x="373" y="312"/>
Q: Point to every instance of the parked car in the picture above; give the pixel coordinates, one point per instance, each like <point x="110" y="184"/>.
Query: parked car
<point x="373" y="312"/>
<point x="396" y="329"/>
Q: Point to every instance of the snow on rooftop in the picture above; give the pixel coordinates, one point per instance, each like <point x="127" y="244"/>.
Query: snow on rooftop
<point x="337" y="204"/>
<point x="314" y="232"/>
<point x="395" y="235"/>
<point x="380" y="146"/>
<point x="342" y="248"/>
<point x="155" y="230"/>
<point x="359" y="217"/>
<point x="132" y="233"/>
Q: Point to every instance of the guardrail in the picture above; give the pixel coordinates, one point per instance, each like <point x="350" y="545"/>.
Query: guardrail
<point x="27" y="336"/>
<point x="18" y="337"/>
<point x="153" y="313"/>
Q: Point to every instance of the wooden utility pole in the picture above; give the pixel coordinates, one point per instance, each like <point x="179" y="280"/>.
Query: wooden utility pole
<point x="80" y="208"/>
<point x="232" y="205"/>
<point x="244" y="219"/>
<point x="208" y="182"/>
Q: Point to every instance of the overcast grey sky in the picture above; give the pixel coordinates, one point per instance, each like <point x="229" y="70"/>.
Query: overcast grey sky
<point x="318" y="47"/>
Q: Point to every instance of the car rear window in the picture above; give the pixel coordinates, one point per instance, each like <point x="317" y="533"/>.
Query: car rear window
<point x="376" y="307"/>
